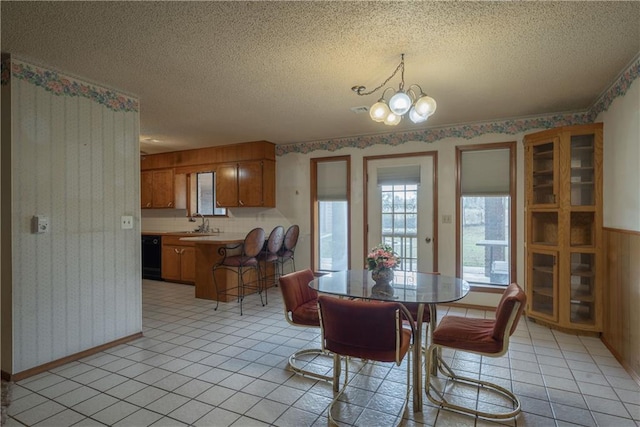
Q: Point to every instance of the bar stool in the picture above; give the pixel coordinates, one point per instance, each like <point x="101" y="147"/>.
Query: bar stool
<point x="286" y="253"/>
<point x="241" y="263"/>
<point x="269" y="256"/>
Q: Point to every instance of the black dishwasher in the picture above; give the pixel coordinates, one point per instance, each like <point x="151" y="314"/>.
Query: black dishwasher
<point x="152" y="257"/>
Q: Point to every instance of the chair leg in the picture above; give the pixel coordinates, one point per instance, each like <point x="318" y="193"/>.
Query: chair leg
<point x="241" y="287"/>
<point x="336" y="383"/>
<point x="441" y="400"/>
<point x="218" y="293"/>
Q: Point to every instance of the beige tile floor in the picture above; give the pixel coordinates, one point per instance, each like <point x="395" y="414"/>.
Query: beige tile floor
<point x="199" y="367"/>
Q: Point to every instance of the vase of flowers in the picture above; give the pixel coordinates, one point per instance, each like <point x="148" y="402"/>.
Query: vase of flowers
<point x="381" y="261"/>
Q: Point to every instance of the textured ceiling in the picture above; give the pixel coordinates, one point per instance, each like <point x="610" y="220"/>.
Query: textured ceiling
<point x="214" y="73"/>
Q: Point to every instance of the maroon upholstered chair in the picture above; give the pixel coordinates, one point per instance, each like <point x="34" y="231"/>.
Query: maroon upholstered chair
<point x="269" y="257"/>
<point x="241" y="263"/>
<point x="487" y="337"/>
<point x="287" y="251"/>
<point x="356" y="328"/>
<point x="301" y="309"/>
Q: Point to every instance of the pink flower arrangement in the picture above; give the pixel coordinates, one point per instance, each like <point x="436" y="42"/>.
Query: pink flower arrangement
<point x="382" y="256"/>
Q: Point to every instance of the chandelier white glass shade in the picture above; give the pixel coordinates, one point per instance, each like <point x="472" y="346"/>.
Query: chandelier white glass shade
<point x="413" y="101"/>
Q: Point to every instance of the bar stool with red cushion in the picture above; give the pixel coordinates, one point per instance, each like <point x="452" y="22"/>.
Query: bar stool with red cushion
<point x="301" y="309"/>
<point x="241" y="263"/>
<point x="356" y="328"/>
<point x="486" y="337"/>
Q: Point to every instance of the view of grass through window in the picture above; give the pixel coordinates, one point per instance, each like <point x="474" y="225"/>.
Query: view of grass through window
<point x="485" y="239"/>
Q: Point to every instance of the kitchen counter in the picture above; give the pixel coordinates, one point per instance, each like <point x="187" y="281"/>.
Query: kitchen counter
<point x="208" y="254"/>
<point x="214" y="239"/>
<point x="177" y="233"/>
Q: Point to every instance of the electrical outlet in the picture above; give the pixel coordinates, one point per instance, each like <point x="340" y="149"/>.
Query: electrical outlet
<point x="126" y="222"/>
<point x="446" y="219"/>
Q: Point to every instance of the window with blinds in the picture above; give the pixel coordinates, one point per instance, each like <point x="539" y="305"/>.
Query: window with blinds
<point x="330" y="218"/>
<point x="485" y="213"/>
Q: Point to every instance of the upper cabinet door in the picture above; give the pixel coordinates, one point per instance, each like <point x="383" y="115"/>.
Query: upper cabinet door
<point x="227" y="185"/>
<point x="146" y="189"/>
<point x="542" y="177"/>
<point x="583" y="170"/>
<point x="250" y="184"/>
<point x="157" y="189"/>
<point x="163" y="193"/>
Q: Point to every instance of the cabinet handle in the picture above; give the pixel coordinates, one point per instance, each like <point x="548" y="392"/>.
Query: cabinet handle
<point x="148" y="204"/>
<point x="170" y="204"/>
<point x="240" y="201"/>
<point x="217" y="203"/>
<point x="181" y="251"/>
<point x="176" y="250"/>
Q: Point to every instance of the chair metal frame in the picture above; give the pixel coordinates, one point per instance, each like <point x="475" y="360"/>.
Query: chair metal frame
<point x="435" y="351"/>
<point x="293" y="364"/>
<point x="246" y="263"/>
<point x="401" y="314"/>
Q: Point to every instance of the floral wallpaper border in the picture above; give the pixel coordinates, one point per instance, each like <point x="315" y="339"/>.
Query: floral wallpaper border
<point x="62" y="85"/>
<point x="469" y="131"/>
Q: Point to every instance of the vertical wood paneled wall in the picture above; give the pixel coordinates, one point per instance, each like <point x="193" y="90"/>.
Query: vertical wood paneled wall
<point x="622" y="297"/>
<point x="75" y="160"/>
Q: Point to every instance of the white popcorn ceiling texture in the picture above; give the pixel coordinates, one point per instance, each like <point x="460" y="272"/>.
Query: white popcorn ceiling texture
<point x="214" y="73"/>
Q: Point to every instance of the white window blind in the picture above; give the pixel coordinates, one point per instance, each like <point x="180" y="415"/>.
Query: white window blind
<point x="399" y="175"/>
<point x="485" y="172"/>
<point x="332" y="180"/>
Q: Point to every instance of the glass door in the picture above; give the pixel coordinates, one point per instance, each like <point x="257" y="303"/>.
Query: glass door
<point x="543" y="180"/>
<point x="543" y="279"/>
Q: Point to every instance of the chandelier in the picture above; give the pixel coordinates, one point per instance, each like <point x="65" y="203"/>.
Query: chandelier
<point x="418" y="104"/>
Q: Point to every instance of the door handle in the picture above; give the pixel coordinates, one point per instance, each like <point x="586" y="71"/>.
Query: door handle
<point x="427" y="239"/>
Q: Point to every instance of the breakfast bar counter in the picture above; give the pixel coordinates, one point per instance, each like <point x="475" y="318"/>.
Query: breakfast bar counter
<point x="207" y="255"/>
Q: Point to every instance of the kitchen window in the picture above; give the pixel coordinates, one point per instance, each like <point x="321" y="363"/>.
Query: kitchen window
<point x="205" y="195"/>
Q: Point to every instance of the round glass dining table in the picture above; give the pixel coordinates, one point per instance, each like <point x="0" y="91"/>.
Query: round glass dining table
<point x="406" y="287"/>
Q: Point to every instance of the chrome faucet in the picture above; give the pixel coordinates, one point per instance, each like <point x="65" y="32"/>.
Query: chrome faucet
<point x="204" y="227"/>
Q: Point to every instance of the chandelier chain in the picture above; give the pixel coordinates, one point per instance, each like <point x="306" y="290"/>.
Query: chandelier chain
<point x="360" y="89"/>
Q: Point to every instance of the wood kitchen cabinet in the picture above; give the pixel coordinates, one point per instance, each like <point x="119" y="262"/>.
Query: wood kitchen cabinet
<point x="178" y="260"/>
<point x="246" y="184"/>
<point x="563" y="211"/>
<point x="157" y="189"/>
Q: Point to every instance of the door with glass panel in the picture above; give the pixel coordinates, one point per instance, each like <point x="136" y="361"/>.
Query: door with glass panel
<point x="400" y="209"/>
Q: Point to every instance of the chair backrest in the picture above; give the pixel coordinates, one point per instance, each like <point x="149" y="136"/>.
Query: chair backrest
<point x="508" y="312"/>
<point x="276" y="237"/>
<point x="360" y="329"/>
<point x="291" y="238"/>
<point x="295" y="289"/>
<point x="253" y="242"/>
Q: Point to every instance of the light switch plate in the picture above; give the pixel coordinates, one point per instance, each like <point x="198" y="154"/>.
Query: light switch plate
<point x="446" y="219"/>
<point x="126" y="222"/>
